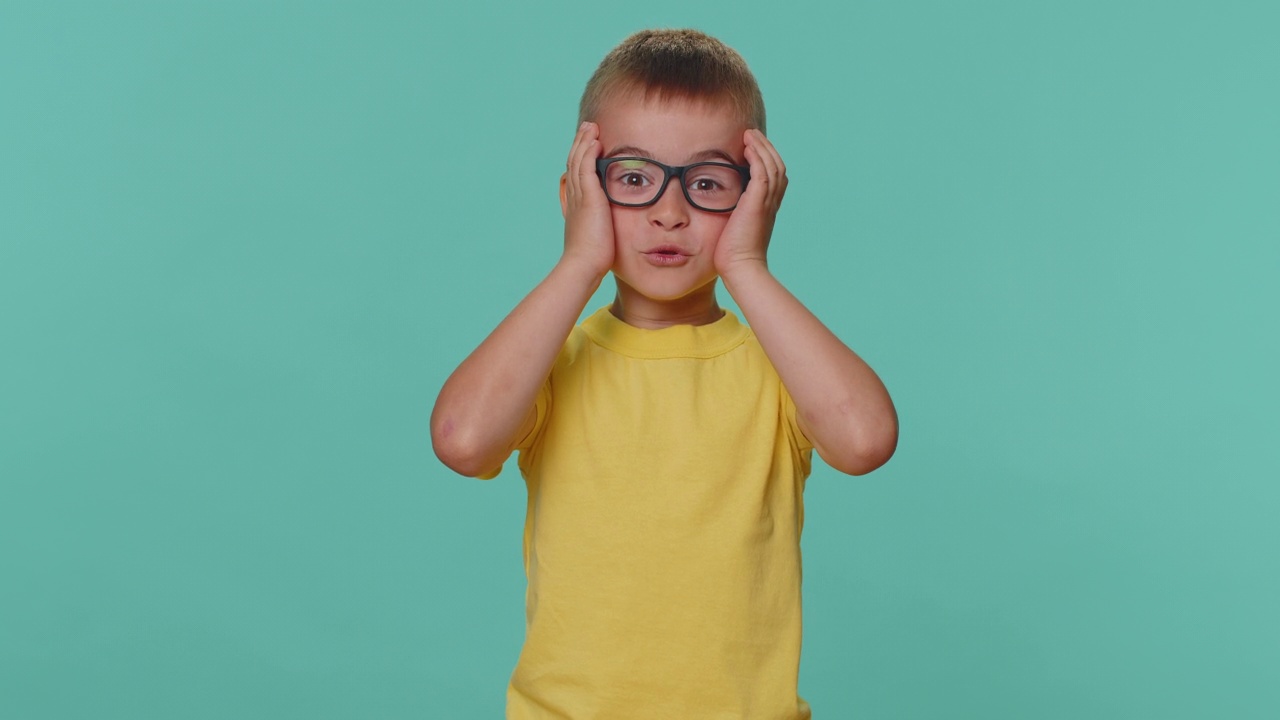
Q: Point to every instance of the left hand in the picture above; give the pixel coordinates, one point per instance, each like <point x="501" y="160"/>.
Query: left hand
<point x="746" y="236"/>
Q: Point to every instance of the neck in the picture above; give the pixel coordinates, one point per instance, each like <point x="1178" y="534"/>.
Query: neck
<point x="697" y="308"/>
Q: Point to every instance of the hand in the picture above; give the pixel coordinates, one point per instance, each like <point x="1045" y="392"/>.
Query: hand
<point x="745" y="238"/>
<point x="588" y="221"/>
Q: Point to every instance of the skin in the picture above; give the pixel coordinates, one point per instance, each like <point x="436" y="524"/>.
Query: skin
<point x="486" y="406"/>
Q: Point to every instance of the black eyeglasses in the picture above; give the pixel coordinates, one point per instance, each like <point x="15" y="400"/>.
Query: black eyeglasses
<point x="640" y="182"/>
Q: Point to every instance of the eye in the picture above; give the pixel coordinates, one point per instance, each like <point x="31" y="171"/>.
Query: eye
<point x="714" y="180"/>
<point x="633" y="179"/>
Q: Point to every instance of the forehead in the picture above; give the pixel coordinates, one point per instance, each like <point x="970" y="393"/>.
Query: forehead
<point x="670" y="130"/>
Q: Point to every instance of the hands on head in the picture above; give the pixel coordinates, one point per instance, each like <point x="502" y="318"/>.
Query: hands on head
<point x="746" y="236"/>
<point x="588" y="221"/>
<point x="589" y="233"/>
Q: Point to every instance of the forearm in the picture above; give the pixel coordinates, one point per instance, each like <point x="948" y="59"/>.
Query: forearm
<point x="843" y="406"/>
<point x="485" y="402"/>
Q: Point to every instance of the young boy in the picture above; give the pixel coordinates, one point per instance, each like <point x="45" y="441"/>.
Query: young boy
<point x="664" y="444"/>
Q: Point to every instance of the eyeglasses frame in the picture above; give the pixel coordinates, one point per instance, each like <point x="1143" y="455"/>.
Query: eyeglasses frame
<point x="669" y="171"/>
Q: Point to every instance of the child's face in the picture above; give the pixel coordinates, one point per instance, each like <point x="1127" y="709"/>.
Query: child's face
<point x="673" y="133"/>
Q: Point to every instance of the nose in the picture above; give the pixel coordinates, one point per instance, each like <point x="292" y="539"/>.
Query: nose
<point x="671" y="212"/>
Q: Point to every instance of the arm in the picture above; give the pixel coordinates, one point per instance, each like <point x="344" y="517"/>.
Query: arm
<point x="842" y="406"/>
<point x="487" y="404"/>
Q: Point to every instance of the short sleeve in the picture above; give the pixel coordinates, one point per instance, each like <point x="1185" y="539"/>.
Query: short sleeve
<point x="799" y="442"/>
<point x="542" y="407"/>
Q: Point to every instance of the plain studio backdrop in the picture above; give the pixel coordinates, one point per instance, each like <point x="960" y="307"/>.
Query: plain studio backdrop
<point x="243" y="244"/>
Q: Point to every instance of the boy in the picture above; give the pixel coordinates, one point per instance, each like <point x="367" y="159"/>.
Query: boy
<point x="664" y="444"/>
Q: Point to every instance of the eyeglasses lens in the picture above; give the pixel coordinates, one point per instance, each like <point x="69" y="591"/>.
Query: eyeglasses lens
<point x="711" y="186"/>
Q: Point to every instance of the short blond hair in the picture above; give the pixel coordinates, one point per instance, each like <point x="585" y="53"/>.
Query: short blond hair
<point x="675" y="65"/>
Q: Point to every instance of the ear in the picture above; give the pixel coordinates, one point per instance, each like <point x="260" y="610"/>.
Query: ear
<point x="564" y="202"/>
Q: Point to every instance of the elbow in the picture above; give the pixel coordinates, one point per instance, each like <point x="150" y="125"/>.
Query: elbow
<point x="457" y="454"/>
<point x="463" y="463"/>
<point x="871" y="459"/>
<point x="868" y="451"/>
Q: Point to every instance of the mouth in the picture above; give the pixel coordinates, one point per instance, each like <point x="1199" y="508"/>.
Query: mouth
<point x="670" y="250"/>
<point x="666" y="256"/>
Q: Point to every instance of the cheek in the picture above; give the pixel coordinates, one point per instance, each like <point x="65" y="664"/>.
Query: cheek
<point x="624" y="223"/>
<point x="715" y="226"/>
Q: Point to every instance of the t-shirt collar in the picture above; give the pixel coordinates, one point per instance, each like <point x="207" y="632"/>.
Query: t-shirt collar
<point x="692" y="341"/>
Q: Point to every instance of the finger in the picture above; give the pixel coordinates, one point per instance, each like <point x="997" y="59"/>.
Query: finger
<point x="590" y="151"/>
<point x="579" y="137"/>
<point x="761" y="182"/>
<point x="773" y="156"/>
<point x="590" y="177"/>
<point x="762" y="143"/>
<point x="763" y="150"/>
<point x="774" y="167"/>
<point x="584" y="169"/>
<point x="575" y="156"/>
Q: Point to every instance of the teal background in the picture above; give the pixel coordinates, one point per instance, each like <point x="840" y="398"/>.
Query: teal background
<point x="243" y="244"/>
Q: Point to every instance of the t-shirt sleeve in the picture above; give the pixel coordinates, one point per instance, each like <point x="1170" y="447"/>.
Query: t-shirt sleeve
<point x="799" y="443"/>
<point x="542" y="407"/>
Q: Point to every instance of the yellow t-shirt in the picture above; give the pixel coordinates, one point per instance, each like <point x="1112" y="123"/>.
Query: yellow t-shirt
<point x="662" y="541"/>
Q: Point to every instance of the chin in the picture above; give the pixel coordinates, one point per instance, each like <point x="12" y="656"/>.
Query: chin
<point x="667" y="291"/>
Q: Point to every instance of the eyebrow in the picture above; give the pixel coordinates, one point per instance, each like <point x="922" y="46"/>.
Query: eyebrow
<point x="702" y="156"/>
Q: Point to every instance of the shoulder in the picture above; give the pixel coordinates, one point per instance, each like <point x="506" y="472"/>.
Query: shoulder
<point x="572" y="355"/>
<point x="752" y="347"/>
<point x="574" y="345"/>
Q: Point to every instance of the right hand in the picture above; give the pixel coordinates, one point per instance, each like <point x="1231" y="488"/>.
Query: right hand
<point x="588" y="220"/>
